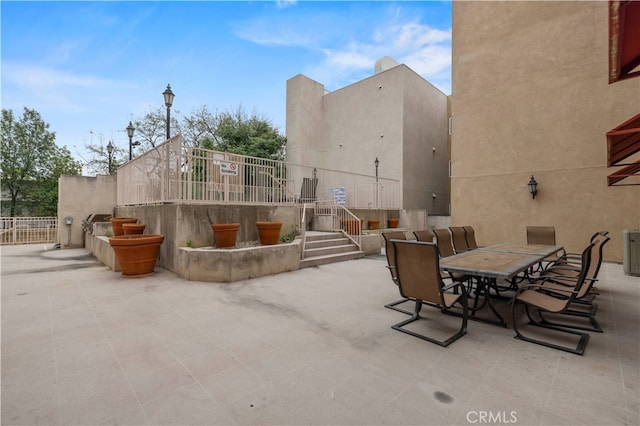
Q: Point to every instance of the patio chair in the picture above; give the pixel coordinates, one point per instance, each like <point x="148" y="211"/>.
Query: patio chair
<point x="391" y="265"/>
<point x="573" y="259"/>
<point x="425" y="235"/>
<point x="545" y="235"/>
<point x="445" y="248"/>
<point x="470" y="235"/>
<point x="560" y="277"/>
<point x="540" y="298"/>
<point x="418" y="274"/>
<point x="443" y="239"/>
<point x="459" y="239"/>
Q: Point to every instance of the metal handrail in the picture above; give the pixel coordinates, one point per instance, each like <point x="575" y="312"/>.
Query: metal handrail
<point x="303" y="230"/>
<point x="349" y="224"/>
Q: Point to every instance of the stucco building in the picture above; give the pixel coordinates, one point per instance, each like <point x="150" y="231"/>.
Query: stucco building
<point x="394" y="115"/>
<point x="531" y="96"/>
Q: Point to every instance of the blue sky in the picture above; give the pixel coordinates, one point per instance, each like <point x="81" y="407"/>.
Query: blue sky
<point x="90" y="67"/>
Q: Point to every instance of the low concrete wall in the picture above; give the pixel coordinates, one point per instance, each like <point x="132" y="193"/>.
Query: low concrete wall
<point x="104" y="253"/>
<point x="371" y="243"/>
<point x="183" y="224"/>
<point x="229" y="265"/>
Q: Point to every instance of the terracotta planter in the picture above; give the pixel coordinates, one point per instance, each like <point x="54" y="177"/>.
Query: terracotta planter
<point x="269" y="232"/>
<point x="116" y="224"/>
<point x="393" y="223"/>
<point x="225" y="234"/>
<point x="137" y="254"/>
<point x="133" y="228"/>
<point x="374" y="224"/>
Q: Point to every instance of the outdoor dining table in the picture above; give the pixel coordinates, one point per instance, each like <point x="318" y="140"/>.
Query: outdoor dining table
<point x="491" y="263"/>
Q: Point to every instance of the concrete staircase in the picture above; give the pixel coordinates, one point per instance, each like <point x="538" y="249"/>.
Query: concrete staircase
<point x="322" y="248"/>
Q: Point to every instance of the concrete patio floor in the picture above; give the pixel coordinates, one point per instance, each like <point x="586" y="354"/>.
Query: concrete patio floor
<point x="83" y="346"/>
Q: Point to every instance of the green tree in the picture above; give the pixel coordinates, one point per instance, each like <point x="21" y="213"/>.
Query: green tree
<point x="241" y="133"/>
<point x="234" y="131"/>
<point x="31" y="163"/>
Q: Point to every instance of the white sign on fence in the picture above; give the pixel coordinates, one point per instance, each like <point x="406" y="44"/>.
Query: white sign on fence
<point x="340" y="195"/>
<point x="228" y="169"/>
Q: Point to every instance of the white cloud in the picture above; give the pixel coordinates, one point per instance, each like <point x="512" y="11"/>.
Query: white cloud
<point x="424" y="49"/>
<point x="285" y="3"/>
<point x="47" y="87"/>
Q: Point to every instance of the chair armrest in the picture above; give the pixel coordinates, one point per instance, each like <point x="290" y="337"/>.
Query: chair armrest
<point x="455" y="284"/>
<point x="537" y="287"/>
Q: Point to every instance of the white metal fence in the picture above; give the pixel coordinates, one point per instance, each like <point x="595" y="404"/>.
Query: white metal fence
<point x="28" y="230"/>
<point x="177" y="174"/>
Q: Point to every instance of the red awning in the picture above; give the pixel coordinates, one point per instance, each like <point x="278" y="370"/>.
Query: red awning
<point x="623" y="142"/>
<point x="624" y="39"/>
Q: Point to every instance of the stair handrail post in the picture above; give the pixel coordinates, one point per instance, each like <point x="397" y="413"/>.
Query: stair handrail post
<point x="345" y="215"/>
<point x="303" y="230"/>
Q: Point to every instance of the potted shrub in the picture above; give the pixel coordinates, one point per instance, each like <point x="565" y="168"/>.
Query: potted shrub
<point x="393" y="223"/>
<point x="225" y="234"/>
<point x="269" y="232"/>
<point x="374" y="224"/>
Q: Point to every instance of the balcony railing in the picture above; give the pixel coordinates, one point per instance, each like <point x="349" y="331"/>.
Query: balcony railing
<point x="171" y="173"/>
<point x="28" y="230"/>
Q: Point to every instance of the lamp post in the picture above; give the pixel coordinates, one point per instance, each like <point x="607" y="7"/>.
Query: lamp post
<point x="377" y="163"/>
<point x="110" y="152"/>
<point x="168" y="101"/>
<point x="130" y="130"/>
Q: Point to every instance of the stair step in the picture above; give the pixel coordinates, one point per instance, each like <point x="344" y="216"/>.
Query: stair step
<point x="332" y="258"/>
<point x="321" y="251"/>
<point x="327" y="243"/>
<point x="318" y="236"/>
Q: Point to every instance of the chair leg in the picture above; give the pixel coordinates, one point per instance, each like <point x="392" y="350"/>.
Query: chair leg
<point x="595" y="326"/>
<point x="393" y="305"/>
<point x="578" y="350"/>
<point x="416" y="317"/>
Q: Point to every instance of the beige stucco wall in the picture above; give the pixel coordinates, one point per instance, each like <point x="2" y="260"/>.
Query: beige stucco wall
<point x="395" y="116"/>
<point x="80" y="196"/>
<point x="530" y="96"/>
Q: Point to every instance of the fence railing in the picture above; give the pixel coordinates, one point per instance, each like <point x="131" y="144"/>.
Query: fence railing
<point x="342" y="220"/>
<point x="28" y="230"/>
<point x="177" y="174"/>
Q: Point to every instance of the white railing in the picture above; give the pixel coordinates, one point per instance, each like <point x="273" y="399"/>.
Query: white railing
<point x="342" y="220"/>
<point x="172" y="173"/>
<point x="28" y="230"/>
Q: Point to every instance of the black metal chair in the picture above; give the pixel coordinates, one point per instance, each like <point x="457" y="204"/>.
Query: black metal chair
<point x="470" y="235"/>
<point x="418" y="274"/>
<point x="561" y="276"/>
<point x="425" y="235"/>
<point x="459" y="239"/>
<point x="540" y="298"/>
<point x="391" y="265"/>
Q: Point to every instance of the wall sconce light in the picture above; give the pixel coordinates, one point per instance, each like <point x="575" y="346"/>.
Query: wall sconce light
<point x="533" y="187"/>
